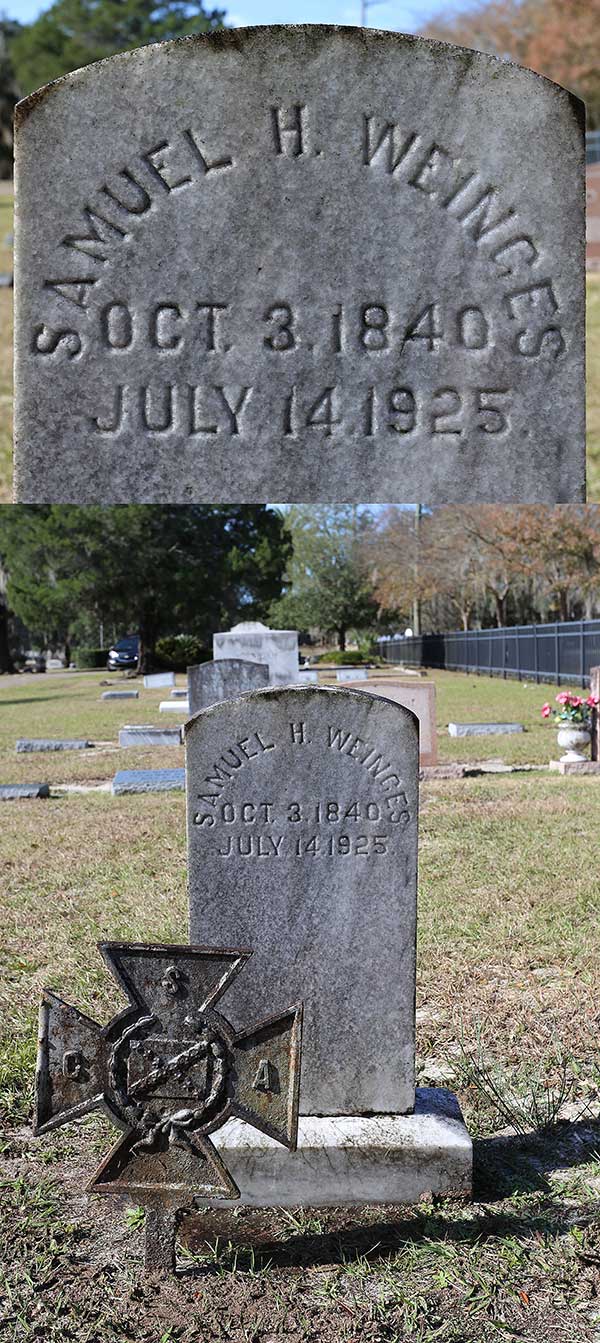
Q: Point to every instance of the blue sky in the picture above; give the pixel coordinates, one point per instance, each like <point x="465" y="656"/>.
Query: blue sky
<point x="402" y="15"/>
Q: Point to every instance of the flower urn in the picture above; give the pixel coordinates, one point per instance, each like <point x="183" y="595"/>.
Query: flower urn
<point x="574" y="738"/>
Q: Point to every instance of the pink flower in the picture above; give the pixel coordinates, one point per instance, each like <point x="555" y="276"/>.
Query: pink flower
<point x="563" y="698"/>
<point x="576" y="701"/>
<point x="592" y="701"/>
<point x="546" y="710"/>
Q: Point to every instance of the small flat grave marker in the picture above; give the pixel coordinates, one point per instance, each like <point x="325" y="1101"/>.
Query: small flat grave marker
<point x="11" y="791"/>
<point x="120" y="694"/>
<point x="148" y="781"/>
<point x="351" y="674"/>
<point x="180" y="706"/>
<point x="482" y="729"/>
<point x="31" y="744"/>
<point x="293" y="165"/>
<point x="134" y="734"/>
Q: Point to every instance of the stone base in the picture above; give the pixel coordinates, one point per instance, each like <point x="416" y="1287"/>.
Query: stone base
<point x="350" y="1159"/>
<point x="575" y="766"/>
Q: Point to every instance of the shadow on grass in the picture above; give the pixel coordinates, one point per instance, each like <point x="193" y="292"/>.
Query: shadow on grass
<point x="30" y="699"/>
<point x="503" y="1167"/>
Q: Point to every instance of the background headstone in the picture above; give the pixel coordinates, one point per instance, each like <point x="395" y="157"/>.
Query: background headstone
<point x="254" y="642"/>
<point x="302" y="841"/>
<point x="420" y="699"/>
<point x="351" y="674"/>
<point x="154" y="680"/>
<point x="225" y="678"/>
<point x="308" y="676"/>
<point x="294" y="165"/>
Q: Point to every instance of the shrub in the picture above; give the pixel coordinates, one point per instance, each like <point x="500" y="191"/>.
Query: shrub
<point x="90" y="657"/>
<point x="177" y="652"/>
<point x="344" y="659"/>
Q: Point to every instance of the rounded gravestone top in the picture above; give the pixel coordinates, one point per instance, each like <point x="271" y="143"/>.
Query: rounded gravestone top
<point x="248" y="627"/>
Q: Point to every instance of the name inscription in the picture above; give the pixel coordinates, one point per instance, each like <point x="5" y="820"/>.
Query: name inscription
<point x="327" y="827"/>
<point x="526" y="320"/>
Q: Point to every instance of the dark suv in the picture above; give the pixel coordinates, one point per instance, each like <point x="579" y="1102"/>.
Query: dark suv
<point x="124" y="653"/>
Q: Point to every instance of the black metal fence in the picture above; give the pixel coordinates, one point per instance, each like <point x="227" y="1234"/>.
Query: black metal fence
<point x="558" y="653"/>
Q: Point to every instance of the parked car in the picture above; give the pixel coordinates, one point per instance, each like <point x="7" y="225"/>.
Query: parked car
<point x="124" y="653"/>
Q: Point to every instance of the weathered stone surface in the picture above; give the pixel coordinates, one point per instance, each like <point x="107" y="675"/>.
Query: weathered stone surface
<point x="148" y="781"/>
<point x="251" y="641"/>
<point x="155" y="680"/>
<point x="10" y="791"/>
<point x="225" y="678"/>
<point x="482" y="729"/>
<point x="353" y="1159"/>
<point x="395" y="307"/>
<point x="180" y="706"/>
<point x="302" y="840"/>
<point x="420" y="699"/>
<point x="120" y="694"/>
<point x="351" y="674"/>
<point x="144" y="734"/>
<point x="51" y="744"/>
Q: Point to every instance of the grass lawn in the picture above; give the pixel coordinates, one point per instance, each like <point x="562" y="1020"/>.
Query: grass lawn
<point x="68" y="704"/>
<point x="6" y="329"/>
<point x="509" y="977"/>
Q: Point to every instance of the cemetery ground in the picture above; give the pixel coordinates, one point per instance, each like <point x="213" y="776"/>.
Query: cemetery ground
<point x="6" y="335"/>
<point x="507" y="1015"/>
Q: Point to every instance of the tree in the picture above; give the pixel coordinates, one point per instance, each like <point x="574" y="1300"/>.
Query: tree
<point x="559" y="41"/>
<point x="327" y="581"/>
<point x="9" y="95"/>
<point x="148" y="570"/>
<point x="72" y="33"/>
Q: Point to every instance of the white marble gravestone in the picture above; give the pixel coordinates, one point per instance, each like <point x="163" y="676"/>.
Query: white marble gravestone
<point x="251" y="641"/>
<point x="306" y="263"/>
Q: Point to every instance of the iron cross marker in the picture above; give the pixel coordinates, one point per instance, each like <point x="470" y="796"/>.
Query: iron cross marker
<point x="169" y="1070"/>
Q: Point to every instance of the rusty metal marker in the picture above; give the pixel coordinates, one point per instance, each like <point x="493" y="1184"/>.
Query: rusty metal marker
<point x="169" y="1070"/>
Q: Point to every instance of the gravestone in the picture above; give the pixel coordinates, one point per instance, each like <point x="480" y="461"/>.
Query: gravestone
<point x="30" y="744"/>
<point x="251" y="641"/>
<point x="420" y="699"/>
<point x="9" y="792"/>
<point x="120" y="694"/>
<point x="482" y="729"/>
<point x="306" y="676"/>
<point x="155" y="680"/>
<point x="178" y="692"/>
<point x="351" y="674"/>
<point x="302" y="844"/>
<point x="225" y="678"/>
<point x="180" y="706"/>
<point x="302" y="832"/>
<point x="148" y="781"/>
<point x="294" y="166"/>
<point x="144" y="734"/>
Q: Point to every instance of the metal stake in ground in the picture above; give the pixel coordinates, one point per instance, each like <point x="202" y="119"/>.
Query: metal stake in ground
<point x="169" y="1070"/>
